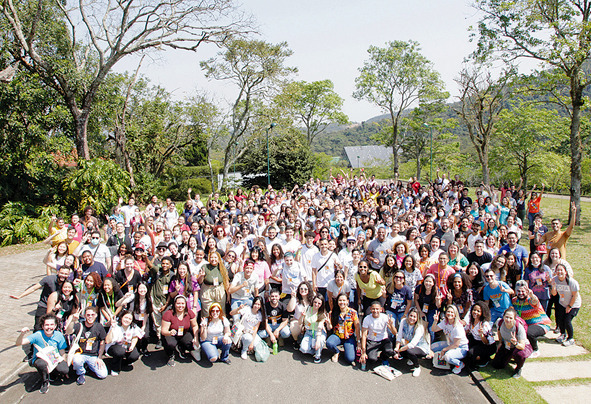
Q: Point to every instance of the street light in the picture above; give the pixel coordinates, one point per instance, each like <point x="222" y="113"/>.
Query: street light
<point x="273" y="124"/>
<point x="358" y="162"/>
<point x="430" y="152"/>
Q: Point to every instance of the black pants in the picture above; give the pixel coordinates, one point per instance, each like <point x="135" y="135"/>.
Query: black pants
<point x="184" y="343"/>
<point x="534" y="332"/>
<point x="564" y="320"/>
<point x="382" y="348"/>
<point x="478" y="352"/>
<point x="414" y="354"/>
<point x="62" y="368"/>
<point x="120" y="354"/>
<point x="553" y="302"/>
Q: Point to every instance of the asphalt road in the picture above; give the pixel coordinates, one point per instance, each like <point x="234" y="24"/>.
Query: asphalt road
<point x="289" y="376"/>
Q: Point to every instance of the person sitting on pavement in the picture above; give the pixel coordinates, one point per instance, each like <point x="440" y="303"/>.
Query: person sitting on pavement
<point x="215" y="334"/>
<point x="455" y="347"/>
<point x="513" y="343"/>
<point x="412" y="340"/>
<point x="180" y="331"/>
<point x="251" y="318"/>
<point x="276" y="325"/>
<point x="529" y="308"/>
<point x="122" y="342"/>
<point x="90" y="335"/>
<point x="312" y="325"/>
<point x="375" y="342"/>
<point x="346" y="329"/>
<point x="481" y="341"/>
<point x="52" y="345"/>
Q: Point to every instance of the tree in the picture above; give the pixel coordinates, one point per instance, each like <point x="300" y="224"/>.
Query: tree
<point x="555" y="32"/>
<point x="425" y="136"/>
<point x="315" y="105"/>
<point x="396" y="77"/>
<point x="257" y="69"/>
<point x="72" y="49"/>
<point x="291" y="161"/>
<point x="482" y="98"/>
<point x="524" y="132"/>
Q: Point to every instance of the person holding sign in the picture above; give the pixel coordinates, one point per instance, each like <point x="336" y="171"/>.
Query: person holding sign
<point x="49" y="349"/>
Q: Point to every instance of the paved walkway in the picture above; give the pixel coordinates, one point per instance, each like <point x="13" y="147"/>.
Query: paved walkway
<point x="564" y="367"/>
<point x="18" y="272"/>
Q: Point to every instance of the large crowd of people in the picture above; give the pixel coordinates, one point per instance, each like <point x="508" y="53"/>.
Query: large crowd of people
<point x="369" y="273"/>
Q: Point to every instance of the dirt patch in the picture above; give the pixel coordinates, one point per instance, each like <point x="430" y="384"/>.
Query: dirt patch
<point x="19" y="248"/>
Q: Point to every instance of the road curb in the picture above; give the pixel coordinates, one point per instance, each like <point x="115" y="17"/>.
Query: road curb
<point x="485" y="388"/>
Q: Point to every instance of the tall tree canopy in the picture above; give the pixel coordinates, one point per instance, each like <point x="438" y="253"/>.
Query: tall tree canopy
<point x="396" y="77"/>
<point x="555" y="32"/>
<point x="72" y="46"/>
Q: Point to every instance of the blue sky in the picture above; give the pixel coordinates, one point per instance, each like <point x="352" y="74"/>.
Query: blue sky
<point x="330" y="40"/>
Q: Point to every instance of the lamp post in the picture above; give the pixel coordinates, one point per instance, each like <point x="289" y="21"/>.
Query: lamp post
<point x="268" y="165"/>
<point x="430" y="151"/>
<point x="358" y="162"/>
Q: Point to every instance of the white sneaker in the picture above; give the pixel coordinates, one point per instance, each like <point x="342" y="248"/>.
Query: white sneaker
<point x="458" y="369"/>
<point x="569" y="342"/>
<point x="244" y="355"/>
<point x="409" y="363"/>
<point x="416" y="372"/>
<point x="535" y="354"/>
<point x="560" y="339"/>
<point x="113" y="373"/>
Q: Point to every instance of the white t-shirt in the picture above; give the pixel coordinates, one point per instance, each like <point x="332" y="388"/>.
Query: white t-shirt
<point x="246" y="292"/>
<point x="335" y="290"/>
<point x="453" y="332"/>
<point x="326" y="273"/>
<point x="215" y="329"/>
<point x="377" y="327"/>
<point x="250" y="320"/>
<point x="292" y="246"/>
<point x="292" y="276"/>
<point x="308" y="254"/>
<point x="101" y="253"/>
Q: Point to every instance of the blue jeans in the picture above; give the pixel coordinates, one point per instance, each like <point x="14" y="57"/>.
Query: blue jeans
<point x="284" y="333"/>
<point x="453" y="356"/>
<point x="211" y="349"/>
<point x="349" y="344"/>
<point x="92" y="362"/>
<point x="308" y="344"/>
<point x="396" y="316"/>
<point x="430" y="315"/>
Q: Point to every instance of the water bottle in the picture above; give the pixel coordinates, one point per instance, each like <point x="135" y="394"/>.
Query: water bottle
<point x="275" y="348"/>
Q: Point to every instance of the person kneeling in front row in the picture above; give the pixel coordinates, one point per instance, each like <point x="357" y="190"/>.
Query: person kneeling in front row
<point x="51" y="344"/>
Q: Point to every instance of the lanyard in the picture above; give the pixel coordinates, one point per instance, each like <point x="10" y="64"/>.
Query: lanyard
<point x="111" y="300"/>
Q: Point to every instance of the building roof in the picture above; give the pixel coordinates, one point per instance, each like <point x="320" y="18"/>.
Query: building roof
<point x="369" y="156"/>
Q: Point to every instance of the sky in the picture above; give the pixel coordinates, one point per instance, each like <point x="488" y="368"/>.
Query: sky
<point x="330" y="39"/>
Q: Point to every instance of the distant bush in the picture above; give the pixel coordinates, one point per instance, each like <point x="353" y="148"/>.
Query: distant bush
<point x="24" y="223"/>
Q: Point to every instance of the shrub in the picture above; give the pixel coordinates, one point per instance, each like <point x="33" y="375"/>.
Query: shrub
<point x="24" y="223"/>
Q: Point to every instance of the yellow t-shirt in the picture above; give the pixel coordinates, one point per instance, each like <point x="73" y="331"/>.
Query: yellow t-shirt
<point x="372" y="288"/>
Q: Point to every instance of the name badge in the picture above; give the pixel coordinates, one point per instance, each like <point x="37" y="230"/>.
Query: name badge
<point x="214" y="340"/>
<point x="425" y="307"/>
<point x="216" y="281"/>
<point x="180" y="331"/>
<point x="89" y="345"/>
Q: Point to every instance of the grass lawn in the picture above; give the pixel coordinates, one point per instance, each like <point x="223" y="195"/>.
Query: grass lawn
<point x="521" y="391"/>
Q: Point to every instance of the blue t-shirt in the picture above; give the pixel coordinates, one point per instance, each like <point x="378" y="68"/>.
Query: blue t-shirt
<point x="396" y="302"/>
<point x="40" y="339"/>
<point x="501" y="301"/>
<point x="520" y="252"/>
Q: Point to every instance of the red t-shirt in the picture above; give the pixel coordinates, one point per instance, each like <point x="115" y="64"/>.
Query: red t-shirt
<point x="534" y="205"/>
<point x="175" y="323"/>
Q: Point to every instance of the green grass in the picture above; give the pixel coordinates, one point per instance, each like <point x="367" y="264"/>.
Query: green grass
<point x="514" y="391"/>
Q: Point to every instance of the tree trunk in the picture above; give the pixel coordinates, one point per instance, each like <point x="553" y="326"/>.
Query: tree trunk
<point x="524" y="170"/>
<point x="418" y="167"/>
<point x="395" y="145"/>
<point x="210" y="172"/>
<point x="576" y="146"/>
<point x="485" y="168"/>
<point x="81" y="126"/>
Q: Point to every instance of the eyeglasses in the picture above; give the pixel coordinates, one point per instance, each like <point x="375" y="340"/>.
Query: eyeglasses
<point x="399" y="277"/>
<point x="362" y="266"/>
<point x="214" y="311"/>
<point x="489" y="276"/>
<point x="96" y="238"/>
